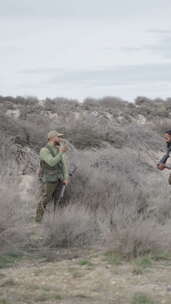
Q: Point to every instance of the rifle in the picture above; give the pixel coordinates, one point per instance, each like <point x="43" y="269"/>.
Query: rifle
<point x="63" y="188"/>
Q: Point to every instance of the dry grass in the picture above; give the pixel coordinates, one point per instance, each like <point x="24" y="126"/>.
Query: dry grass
<point x="72" y="226"/>
<point x="91" y="278"/>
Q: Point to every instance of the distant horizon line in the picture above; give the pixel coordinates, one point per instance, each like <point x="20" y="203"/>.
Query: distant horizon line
<point x="81" y="100"/>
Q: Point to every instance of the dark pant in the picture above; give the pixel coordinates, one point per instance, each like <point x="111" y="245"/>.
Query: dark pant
<point x="49" y="193"/>
<point x="169" y="179"/>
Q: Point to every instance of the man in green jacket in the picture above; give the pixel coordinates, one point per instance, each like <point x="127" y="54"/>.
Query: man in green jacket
<point x="53" y="170"/>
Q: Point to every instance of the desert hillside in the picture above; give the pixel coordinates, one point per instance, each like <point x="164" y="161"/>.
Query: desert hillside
<point x="111" y="240"/>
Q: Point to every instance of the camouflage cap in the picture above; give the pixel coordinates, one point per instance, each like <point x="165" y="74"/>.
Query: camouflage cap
<point x="54" y="133"/>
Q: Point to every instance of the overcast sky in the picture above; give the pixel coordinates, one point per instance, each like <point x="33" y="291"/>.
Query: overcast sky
<point x="81" y="48"/>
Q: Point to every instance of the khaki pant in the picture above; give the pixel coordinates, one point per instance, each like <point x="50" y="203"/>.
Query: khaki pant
<point x="48" y="191"/>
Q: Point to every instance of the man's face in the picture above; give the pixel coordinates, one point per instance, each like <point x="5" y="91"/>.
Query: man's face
<point x="57" y="140"/>
<point x="167" y="138"/>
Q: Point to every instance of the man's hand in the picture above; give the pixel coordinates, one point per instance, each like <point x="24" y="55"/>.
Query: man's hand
<point x="65" y="182"/>
<point x="63" y="148"/>
<point x="161" y="166"/>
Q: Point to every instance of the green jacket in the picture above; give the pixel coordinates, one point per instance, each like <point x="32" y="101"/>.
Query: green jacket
<point x="53" y="164"/>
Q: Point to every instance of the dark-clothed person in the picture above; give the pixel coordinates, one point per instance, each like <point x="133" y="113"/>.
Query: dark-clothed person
<point x="162" y="163"/>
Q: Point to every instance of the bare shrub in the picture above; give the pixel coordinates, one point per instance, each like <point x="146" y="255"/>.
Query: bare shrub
<point x="135" y="236"/>
<point x="10" y="127"/>
<point x="106" y="102"/>
<point x="83" y="137"/>
<point x="83" y="134"/>
<point x="35" y="134"/>
<point x="10" y="204"/>
<point x="141" y="100"/>
<point x="162" y="125"/>
<point x="16" y="159"/>
<point x="90" y="103"/>
<point x="60" y="105"/>
<point x="142" y="137"/>
<point x="17" y="210"/>
<point x="73" y="226"/>
<point x="88" y="132"/>
<point x="113" y="102"/>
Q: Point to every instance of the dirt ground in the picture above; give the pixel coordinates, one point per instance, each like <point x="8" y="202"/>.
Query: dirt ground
<point x="83" y="277"/>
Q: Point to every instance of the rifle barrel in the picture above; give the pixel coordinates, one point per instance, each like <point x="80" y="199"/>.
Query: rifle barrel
<point x="164" y="159"/>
